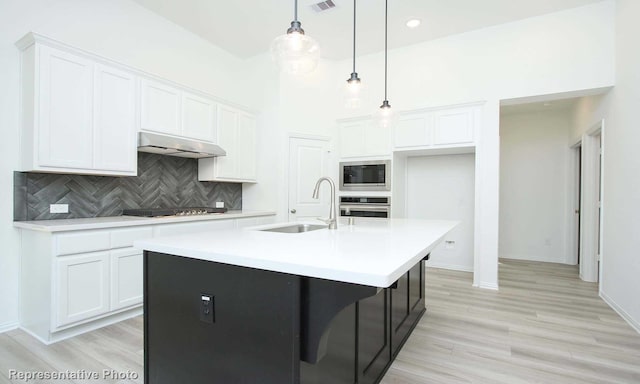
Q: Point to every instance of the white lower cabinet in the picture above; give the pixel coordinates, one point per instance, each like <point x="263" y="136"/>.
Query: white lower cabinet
<point x="76" y="281"/>
<point x="82" y="286"/>
<point x="126" y="281"/>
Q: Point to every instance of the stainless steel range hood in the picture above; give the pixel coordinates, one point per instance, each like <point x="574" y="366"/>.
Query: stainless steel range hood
<point x="176" y="146"/>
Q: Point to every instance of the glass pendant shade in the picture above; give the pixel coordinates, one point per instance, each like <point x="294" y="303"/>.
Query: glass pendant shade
<point x="295" y="52"/>
<point x="354" y="92"/>
<point x="385" y="116"/>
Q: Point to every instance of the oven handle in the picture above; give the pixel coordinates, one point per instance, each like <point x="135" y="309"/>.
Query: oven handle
<point x="367" y="208"/>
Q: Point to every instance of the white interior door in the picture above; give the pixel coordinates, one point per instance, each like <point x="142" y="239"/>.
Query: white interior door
<point x="308" y="161"/>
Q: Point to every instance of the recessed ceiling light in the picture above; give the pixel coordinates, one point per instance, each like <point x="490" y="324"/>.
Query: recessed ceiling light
<point x="413" y="23"/>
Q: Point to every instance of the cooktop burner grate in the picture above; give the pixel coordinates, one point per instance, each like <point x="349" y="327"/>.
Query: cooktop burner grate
<point x="180" y="211"/>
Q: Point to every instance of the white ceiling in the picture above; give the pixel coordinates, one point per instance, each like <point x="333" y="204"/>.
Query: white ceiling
<point x="245" y="28"/>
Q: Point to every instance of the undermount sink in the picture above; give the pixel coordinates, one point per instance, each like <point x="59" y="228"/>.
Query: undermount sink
<point x="296" y="228"/>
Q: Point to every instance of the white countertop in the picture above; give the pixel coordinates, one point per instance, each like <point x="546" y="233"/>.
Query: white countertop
<point x="372" y="253"/>
<point x="128" y="221"/>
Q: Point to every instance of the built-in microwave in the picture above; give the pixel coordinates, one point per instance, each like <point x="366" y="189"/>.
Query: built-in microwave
<point x="374" y="175"/>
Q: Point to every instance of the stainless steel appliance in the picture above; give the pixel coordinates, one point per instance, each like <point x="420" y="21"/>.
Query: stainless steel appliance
<point x="177" y="146"/>
<point x="365" y="175"/>
<point x="365" y="206"/>
<point x="181" y="211"/>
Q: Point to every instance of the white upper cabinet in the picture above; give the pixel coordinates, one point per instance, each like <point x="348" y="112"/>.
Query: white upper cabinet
<point x="114" y="119"/>
<point x="78" y="115"/>
<point x="236" y="134"/>
<point x="453" y="126"/>
<point x="198" y="117"/>
<point x="173" y="111"/>
<point x="437" y="128"/>
<point x="65" y="132"/>
<point x="363" y="138"/>
<point x="160" y="108"/>
<point x="413" y="130"/>
<point x="246" y="147"/>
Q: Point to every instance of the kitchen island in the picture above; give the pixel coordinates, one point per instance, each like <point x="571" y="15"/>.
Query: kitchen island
<point x="261" y="306"/>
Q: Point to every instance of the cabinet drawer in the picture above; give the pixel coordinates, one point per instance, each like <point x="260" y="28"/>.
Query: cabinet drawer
<point x="86" y="241"/>
<point x="121" y="238"/>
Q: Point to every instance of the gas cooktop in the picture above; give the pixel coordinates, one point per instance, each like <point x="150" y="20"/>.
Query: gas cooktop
<point x="180" y="211"/>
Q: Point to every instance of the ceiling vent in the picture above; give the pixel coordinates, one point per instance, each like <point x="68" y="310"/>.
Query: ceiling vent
<point x="323" y="6"/>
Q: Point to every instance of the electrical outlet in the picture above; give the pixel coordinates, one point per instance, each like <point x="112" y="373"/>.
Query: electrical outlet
<point x="207" y="309"/>
<point x="219" y="204"/>
<point x="59" y="208"/>
<point x="449" y="244"/>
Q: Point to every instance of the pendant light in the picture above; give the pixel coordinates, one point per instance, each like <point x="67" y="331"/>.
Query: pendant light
<point x="295" y="52"/>
<point x="354" y="87"/>
<point x="385" y="116"/>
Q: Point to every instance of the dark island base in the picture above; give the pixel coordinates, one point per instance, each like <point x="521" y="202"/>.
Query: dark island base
<point x="269" y="327"/>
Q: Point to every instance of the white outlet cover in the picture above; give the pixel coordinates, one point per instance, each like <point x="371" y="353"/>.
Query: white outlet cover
<point x="219" y="204"/>
<point x="59" y="208"/>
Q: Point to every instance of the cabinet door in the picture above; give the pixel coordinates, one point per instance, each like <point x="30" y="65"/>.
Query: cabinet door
<point x="226" y="166"/>
<point x="160" y="108"/>
<point x="114" y="142"/>
<point x="246" y="147"/>
<point x="65" y="93"/>
<point x="399" y="312"/>
<point x="377" y="140"/>
<point x="198" y="117"/>
<point x="413" y="131"/>
<point x="82" y="287"/>
<point x="352" y="142"/>
<point x="453" y="126"/>
<point x="407" y="305"/>
<point x="126" y="278"/>
<point x="374" y="352"/>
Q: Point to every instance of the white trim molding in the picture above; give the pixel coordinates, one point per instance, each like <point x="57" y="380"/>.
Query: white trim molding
<point x="632" y="322"/>
<point x="8" y="326"/>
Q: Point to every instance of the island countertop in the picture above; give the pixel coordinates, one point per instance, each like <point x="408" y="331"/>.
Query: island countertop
<point x="371" y="253"/>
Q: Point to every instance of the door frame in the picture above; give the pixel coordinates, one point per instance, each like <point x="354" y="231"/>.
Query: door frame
<point x="294" y="135"/>
<point x="593" y="152"/>
<point x="574" y="232"/>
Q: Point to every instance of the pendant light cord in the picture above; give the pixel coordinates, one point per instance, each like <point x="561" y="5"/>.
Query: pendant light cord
<point x="354" y="36"/>
<point x="386" y="11"/>
<point x="295" y="10"/>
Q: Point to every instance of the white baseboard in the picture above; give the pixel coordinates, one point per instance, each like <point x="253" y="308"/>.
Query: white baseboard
<point x="8" y="326"/>
<point x="513" y="256"/>
<point x="453" y="267"/>
<point x="632" y="322"/>
<point x="485" y="285"/>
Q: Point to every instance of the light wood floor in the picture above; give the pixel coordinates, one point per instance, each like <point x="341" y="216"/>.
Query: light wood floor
<point x="543" y="326"/>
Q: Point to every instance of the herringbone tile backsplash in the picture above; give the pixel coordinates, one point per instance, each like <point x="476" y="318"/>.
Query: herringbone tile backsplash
<point x="162" y="182"/>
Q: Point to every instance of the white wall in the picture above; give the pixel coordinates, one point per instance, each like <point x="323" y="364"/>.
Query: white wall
<point x="535" y="175"/>
<point x="443" y="188"/>
<point x="620" y="283"/>
<point x="120" y="30"/>
<point x="556" y="53"/>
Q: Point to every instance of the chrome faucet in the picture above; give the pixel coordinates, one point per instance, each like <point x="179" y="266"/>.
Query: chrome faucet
<point x="332" y="221"/>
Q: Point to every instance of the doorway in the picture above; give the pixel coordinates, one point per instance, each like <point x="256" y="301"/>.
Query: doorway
<point x="308" y="161"/>
<point x="591" y="209"/>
